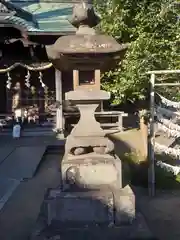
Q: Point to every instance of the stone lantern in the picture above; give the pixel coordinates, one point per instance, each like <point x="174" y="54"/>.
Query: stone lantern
<point x="87" y="53"/>
<point x="91" y="195"/>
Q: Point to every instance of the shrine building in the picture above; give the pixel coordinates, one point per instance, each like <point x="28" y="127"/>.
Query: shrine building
<point x="32" y="91"/>
<point x="30" y="87"/>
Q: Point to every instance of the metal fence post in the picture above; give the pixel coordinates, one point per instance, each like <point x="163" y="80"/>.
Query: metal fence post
<point x="151" y="156"/>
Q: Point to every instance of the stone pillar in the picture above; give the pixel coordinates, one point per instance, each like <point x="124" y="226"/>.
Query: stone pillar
<point x="59" y="112"/>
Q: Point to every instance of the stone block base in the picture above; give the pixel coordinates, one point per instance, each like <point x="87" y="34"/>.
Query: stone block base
<point x="90" y="215"/>
<point x="123" y="233"/>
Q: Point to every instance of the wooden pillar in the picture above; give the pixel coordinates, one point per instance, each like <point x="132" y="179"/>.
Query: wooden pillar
<point x="98" y="82"/>
<point x="59" y="112"/>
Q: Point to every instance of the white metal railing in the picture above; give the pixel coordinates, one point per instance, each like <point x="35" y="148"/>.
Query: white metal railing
<point x="151" y="135"/>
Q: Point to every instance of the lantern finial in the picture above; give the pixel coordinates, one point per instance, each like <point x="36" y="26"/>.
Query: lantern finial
<point x="84" y="15"/>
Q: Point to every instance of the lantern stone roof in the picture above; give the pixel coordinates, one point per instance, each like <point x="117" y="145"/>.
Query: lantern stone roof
<point x="86" y="48"/>
<point x="38" y="16"/>
<point x="88" y="44"/>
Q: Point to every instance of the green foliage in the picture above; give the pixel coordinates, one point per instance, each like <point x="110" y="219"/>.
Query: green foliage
<point x="153" y="30"/>
<point x="138" y="173"/>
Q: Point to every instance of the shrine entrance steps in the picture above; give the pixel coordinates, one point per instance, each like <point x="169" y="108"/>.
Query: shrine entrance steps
<point x="20" y="159"/>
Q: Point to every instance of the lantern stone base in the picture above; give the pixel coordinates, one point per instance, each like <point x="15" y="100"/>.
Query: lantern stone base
<point x="90" y="215"/>
<point x="87" y="215"/>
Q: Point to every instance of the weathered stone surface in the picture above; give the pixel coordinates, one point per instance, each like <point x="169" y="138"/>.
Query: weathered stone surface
<point x="87" y="125"/>
<point x="89" y="215"/>
<point x="80" y="209"/>
<point x="110" y="208"/>
<point x="99" y="150"/>
<point x="125" y="206"/>
<point x="84" y="13"/>
<point x="90" y="141"/>
<point x="78" y="151"/>
<point x="93" y="170"/>
<point x="87" y="95"/>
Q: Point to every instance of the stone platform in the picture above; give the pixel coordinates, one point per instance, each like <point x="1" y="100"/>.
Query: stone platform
<point x="90" y="215"/>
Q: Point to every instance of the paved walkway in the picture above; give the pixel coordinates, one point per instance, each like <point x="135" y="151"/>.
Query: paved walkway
<point x="18" y="216"/>
<point x="19" y="160"/>
<point x="162" y="213"/>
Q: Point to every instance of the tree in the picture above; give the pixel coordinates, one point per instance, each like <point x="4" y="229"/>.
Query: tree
<point x="153" y="30"/>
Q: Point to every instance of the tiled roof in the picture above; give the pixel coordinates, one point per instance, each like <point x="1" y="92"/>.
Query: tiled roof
<point x="42" y="16"/>
<point x="3" y="8"/>
<point x="20" y="23"/>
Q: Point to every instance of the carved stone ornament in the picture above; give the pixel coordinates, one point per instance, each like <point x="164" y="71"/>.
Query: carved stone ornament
<point x="83" y="14"/>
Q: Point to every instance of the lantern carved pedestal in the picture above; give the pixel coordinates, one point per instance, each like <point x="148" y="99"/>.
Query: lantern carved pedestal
<point x="91" y="202"/>
<point x="89" y="154"/>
